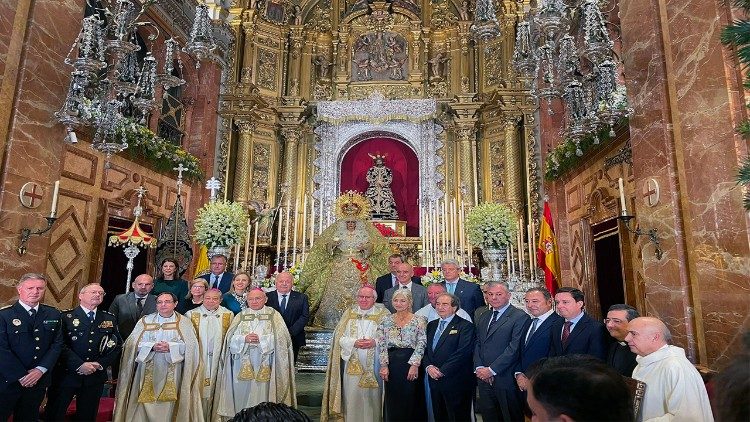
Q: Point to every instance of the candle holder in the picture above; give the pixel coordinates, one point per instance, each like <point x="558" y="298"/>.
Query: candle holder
<point x="26" y="234"/>
<point x="651" y="233"/>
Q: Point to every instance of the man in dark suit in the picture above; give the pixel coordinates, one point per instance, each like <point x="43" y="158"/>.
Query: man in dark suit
<point x="404" y="273"/>
<point x="469" y="293"/>
<point x="90" y="344"/>
<point x="30" y="343"/>
<point x="448" y="361"/>
<point x="619" y="355"/>
<point x="293" y="306"/>
<point x="578" y="333"/>
<point x="218" y="278"/>
<point x="536" y="335"/>
<point x="386" y="281"/>
<point x="128" y="308"/>
<point x="498" y="334"/>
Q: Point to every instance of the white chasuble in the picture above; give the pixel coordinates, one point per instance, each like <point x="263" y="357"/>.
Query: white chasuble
<point x="160" y="386"/>
<point x="211" y="327"/>
<point x="254" y="372"/>
<point x="353" y="390"/>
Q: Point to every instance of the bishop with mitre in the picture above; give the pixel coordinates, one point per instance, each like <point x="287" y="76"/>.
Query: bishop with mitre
<point x="257" y="363"/>
<point x="159" y="369"/>
<point x="211" y="322"/>
<point x="352" y="389"/>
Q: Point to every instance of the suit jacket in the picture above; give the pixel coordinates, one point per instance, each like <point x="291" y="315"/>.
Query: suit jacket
<point x="538" y="345"/>
<point x="296" y="316"/>
<point x="470" y="295"/>
<point x="224" y="284"/>
<point x="27" y="342"/>
<point x="86" y="342"/>
<point x="497" y="348"/>
<point x="587" y="338"/>
<point x="621" y="358"/>
<point x="452" y="354"/>
<point x="125" y="310"/>
<point x="418" y="295"/>
<point x="385" y="282"/>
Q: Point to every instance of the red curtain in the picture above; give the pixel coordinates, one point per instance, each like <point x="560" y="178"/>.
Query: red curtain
<point x="405" y="166"/>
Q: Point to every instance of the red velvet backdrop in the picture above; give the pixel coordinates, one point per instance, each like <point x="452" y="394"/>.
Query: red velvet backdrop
<point x="399" y="158"/>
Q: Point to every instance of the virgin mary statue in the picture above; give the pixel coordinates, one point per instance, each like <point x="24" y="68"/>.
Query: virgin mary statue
<point x="348" y="254"/>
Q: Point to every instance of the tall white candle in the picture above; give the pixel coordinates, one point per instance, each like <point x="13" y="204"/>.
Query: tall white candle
<point x="55" y="194"/>
<point x="623" y="204"/>
<point x="280" y="213"/>
<point x="246" y="249"/>
<point x="255" y="249"/>
<point x="304" y="226"/>
<point x="295" y="228"/>
<point x="287" y="224"/>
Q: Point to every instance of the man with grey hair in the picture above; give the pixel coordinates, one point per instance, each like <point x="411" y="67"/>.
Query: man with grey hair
<point x="469" y="293"/>
<point x="404" y="273"/>
<point x="91" y="343"/>
<point x="30" y="343"/>
<point x="430" y="312"/>
<point x="619" y="356"/>
<point x="674" y="388"/>
<point x="498" y="336"/>
<point x="386" y="281"/>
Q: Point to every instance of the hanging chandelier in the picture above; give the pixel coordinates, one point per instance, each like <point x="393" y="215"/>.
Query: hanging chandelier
<point x="111" y="90"/>
<point x="563" y="50"/>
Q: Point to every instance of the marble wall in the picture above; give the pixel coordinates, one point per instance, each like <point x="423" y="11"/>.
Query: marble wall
<point x="684" y="88"/>
<point x="31" y="91"/>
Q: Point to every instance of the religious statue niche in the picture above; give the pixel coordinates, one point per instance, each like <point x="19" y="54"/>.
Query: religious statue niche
<point x="379" y="56"/>
<point x="380" y="177"/>
<point x="273" y="10"/>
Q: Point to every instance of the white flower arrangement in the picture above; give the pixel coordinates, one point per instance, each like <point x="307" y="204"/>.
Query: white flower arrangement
<point x="491" y="226"/>
<point x="295" y="270"/>
<point x="436" y="276"/>
<point x="221" y="224"/>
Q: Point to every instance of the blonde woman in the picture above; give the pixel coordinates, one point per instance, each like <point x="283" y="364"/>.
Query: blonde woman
<point x="401" y="340"/>
<point x="194" y="298"/>
<point x="235" y="299"/>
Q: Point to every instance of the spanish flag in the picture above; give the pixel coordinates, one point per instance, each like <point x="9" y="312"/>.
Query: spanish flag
<point x="547" y="254"/>
<point x="202" y="265"/>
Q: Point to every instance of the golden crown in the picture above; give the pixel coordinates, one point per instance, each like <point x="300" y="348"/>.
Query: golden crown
<point x="351" y="204"/>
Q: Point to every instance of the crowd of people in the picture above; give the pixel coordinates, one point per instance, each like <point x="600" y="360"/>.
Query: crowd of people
<point x="217" y="348"/>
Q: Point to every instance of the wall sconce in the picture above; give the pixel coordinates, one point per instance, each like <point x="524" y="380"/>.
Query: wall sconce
<point x="626" y="218"/>
<point x="27" y="232"/>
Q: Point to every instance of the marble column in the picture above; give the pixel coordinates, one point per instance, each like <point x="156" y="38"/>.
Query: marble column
<point x="244" y="162"/>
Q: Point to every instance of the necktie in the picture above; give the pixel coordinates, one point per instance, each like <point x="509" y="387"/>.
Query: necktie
<point x="534" y="322"/>
<point x="215" y="284"/>
<point x="451" y="287"/>
<point x="91" y="316"/>
<point x="139" y="303"/>
<point x="32" y="312"/>
<point x="404" y="287"/>
<point x="493" y="320"/>
<point x="566" y="333"/>
<point x="283" y="304"/>
<point x="439" y="331"/>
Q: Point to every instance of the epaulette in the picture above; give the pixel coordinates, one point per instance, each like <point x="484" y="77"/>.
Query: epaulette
<point x="51" y="307"/>
<point x="6" y="307"/>
<point x="67" y="310"/>
<point x="106" y="312"/>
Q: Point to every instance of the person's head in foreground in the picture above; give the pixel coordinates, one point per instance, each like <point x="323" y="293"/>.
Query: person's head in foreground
<point x="578" y="388"/>
<point x="270" y="412"/>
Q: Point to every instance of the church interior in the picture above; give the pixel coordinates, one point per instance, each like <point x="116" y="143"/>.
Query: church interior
<point x="620" y="115"/>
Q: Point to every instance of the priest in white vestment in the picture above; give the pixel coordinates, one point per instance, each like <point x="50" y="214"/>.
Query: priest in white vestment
<point x="674" y="389"/>
<point x="257" y="361"/>
<point x="211" y="322"/>
<point x="352" y="390"/>
<point x="159" y="369"/>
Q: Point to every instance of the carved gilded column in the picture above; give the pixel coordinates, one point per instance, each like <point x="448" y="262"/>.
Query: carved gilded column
<point x="244" y="162"/>
<point x="248" y="26"/>
<point x="292" y="137"/>
<point x="296" y="38"/>
<point x="465" y="134"/>
<point x="513" y="180"/>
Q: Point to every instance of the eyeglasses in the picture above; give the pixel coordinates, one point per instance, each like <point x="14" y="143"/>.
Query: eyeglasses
<point x="613" y="321"/>
<point x="365" y="297"/>
<point x="164" y="302"/>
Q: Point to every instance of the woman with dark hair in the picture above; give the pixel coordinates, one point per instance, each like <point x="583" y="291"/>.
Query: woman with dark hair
<point x="194" y="298"/>
<point x="235" y="299"/>
<point x="170" y="281"/>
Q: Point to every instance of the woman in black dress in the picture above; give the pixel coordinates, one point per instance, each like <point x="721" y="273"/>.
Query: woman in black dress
<point x="194" y="298"/>
<point x="170" y="280"/>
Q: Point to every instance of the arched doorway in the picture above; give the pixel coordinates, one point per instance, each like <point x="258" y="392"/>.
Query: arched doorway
<point x="401" y="159"/>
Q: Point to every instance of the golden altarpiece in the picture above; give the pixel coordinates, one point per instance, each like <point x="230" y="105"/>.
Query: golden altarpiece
<point x="311" y="81"/>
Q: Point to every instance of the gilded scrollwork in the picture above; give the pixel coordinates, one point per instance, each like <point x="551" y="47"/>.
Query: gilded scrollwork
<point x="261" y="168"/>
<point x="379" y="56"/>
<point x="493" y="59"/>
<point x="267" y="65"/>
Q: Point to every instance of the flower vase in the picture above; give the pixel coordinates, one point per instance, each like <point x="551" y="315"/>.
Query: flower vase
<point x="217" y="250"/>
<point x="495" y="256"/>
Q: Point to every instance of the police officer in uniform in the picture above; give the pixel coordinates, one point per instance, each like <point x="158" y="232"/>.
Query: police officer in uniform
<point x="91" y="342"/>
<point x="30" y="343"/>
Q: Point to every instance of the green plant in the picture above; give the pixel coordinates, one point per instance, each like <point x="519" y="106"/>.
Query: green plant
<point x="221" y="224"/>
<point x="737" y="35"/>
<point x="491" y="226"/>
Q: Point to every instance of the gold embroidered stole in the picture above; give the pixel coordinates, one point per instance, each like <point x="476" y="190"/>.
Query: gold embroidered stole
<point x="169" y="391"/>
<point x="367" y="377"/>
<point x="247" y="371"/>
<point x="226" y="320"/>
